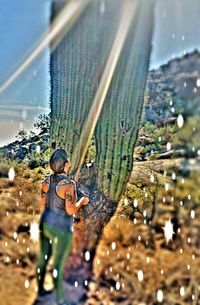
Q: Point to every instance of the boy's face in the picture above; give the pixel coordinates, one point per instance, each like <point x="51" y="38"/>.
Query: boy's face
<point x="67" y="166"/>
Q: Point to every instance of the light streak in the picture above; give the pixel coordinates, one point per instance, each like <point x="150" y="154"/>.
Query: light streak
<point x="62" y="24"/>
<point x="128" y="12"/>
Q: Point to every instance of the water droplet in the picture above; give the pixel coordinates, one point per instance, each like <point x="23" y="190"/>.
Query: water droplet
<point x="152" y="178"/>
<point x="34" y="231"/>
<point x="24" y="114"/>
<point x="118" y="285"/>
<point x="125" y="201"/>
<point x="159" y="295"/>
<point x="15" y="235"/>
<point x="26" y="284"/>
<point x="173" y="176"/>
<point x="167" y="186"/>
<point x="180" y="121"/>
<point x="87" y="256"/>
<point x="11" y="174"/>
<point x="169" y="146"/>
<point x="102" y="7"/>
<point x="135" y="203"/>
<point x="192" y="214"/>
<point x="113" y="245"/>
<point x="55" y="273"/>
<point x="140" y="276"/>
<point x="38" y="149"/>
<point x="198" y="82"/>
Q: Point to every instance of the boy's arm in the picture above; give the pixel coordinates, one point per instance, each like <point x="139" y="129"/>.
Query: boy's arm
<point x="43" y="199"/>
<point x="68" y="192"/>
<point x="72" y="206"/>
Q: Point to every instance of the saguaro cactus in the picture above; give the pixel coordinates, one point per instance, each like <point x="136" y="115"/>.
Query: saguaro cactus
<point x="117" y="128"/>
<point x="76" y="67"/>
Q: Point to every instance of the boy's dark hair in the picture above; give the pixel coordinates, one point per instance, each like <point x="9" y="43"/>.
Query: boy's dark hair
<point x="58" y="160"/>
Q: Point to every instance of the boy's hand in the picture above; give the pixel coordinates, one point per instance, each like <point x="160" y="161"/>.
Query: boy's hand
<point x="85" y="200"/>
<point x="82" y="201"/>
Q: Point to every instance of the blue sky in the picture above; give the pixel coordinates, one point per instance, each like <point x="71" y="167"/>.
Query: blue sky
<point x="23" y="22"/>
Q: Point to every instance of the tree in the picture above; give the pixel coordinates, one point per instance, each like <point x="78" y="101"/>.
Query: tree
<point x="22" y="134"/>
<point x="76" y="67"/>
<point x="42" y="122"/>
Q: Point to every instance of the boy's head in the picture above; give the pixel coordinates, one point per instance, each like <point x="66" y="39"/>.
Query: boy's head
<point x="59" y="162"/>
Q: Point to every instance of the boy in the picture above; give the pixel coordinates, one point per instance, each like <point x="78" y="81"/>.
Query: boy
<point x="58" y="204"/>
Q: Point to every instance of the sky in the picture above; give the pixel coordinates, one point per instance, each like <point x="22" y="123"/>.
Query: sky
<point x="23" y="23"/>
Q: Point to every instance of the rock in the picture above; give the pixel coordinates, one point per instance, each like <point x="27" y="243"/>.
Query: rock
<point x="143" y="140"/>
<point x="22" y="152"/>
<point x="33" y="164"/>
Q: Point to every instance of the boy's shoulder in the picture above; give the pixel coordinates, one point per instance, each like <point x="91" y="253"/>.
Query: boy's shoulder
<point x="47" y="179"/>
<point x="65" y="181"/>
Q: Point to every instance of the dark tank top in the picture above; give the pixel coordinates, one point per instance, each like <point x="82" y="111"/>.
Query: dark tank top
<point x="55" y="214"/>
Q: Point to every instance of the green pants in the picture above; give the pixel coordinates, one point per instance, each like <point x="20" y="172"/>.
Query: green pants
<point x="57" y="244"/>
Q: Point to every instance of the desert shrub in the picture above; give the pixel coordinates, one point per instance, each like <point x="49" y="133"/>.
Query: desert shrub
<point x="5" y="165"/>
<point x="40" y="159"/>
<point x="42" y="122"/>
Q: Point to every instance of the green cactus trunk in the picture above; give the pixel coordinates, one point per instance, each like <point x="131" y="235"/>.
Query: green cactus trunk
<point x="76" y="67"/>
<point x="118" y="125"/>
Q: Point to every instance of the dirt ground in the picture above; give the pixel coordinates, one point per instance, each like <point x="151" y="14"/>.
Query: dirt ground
<point x="133" y="265"/>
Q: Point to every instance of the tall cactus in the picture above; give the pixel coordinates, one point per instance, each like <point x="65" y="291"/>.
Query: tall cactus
<point x="118" y="125"/>
<point x="76" y="67"/>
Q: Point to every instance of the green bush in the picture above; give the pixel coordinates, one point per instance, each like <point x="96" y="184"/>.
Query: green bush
<point x="5" y="165"/>
<point x="41" y="159"/>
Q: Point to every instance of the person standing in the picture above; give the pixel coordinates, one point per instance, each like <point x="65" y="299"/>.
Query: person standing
<point x="58" y="204"/>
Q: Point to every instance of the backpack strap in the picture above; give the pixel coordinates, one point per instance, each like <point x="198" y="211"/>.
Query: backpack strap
<point x="64" y="181"/>
<point x="75" y="189"/>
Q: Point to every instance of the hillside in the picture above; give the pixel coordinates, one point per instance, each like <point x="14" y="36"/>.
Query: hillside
<point x="172" y="89"/>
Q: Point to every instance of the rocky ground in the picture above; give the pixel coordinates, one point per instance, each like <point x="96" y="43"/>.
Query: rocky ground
<point x="133" y="260"/>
